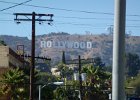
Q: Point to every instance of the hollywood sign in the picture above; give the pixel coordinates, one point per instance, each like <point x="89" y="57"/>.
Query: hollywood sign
<point x="66" y="44"/>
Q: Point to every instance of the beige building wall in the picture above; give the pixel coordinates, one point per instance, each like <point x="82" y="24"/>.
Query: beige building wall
<point x="8" y="58"/>
<point x="14" y="59"/>
<point x="4" y="50"/>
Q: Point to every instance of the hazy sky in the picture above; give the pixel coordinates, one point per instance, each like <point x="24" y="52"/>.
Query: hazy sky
<point x="72" y="16"/>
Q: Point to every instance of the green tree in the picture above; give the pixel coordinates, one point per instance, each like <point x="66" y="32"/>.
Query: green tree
<point x="132" y="64"/>
<point x="134" y="84"/>
<point x="98" y="62"/>
<point x="2" y="43"/>
<point x="12" y="81"/>
<point x="65" y="71"/>
<point x="45" y="78"/>
<point x="63" y="57"/>
<point x="66" y="94"/>
<point x="97" y="82"/>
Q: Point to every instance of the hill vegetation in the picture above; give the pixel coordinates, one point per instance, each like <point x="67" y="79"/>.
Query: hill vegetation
<point x="102" y="45"/>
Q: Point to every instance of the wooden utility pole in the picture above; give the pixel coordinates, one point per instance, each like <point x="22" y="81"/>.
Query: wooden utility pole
<point x="80" y="78"/>
<point x="33" y="19"/>
<point x="32" y="57"/>
<point x="80" y="61"/>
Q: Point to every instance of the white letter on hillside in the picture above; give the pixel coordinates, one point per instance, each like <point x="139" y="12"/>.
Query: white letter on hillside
<point x="76" y="45"/>
<point x="69" y="44"/>
<point x="49" y="44"/>
<point x="89" y="45"/>
<point x="43" y="44"/>
<point x="82" y="45"/>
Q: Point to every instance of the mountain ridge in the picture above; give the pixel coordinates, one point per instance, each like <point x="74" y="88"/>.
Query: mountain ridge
<point x="102" y="45"/>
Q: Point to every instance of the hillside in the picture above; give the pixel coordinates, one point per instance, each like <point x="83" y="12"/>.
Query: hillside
<point x="88" y="46"/>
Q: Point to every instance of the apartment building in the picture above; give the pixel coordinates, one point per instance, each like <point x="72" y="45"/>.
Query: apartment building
<point x="9" y="58"/>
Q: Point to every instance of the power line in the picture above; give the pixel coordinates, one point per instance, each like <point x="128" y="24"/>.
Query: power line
<point x="6" y="13"/>
<point x="133" y="20"/>
<point x="90" y="18"/>
<point x="15" y="5"/>
<point x="69" y="10"/>
<point x="78" y="24"/>
<point x="83" y="18"/>
<point x="91" y="25"/>
<point x="5" y="20"/>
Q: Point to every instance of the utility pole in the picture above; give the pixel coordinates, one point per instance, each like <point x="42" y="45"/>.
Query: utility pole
<point x="32" y="57"/>
<point x="78" y="61"/>
<point x="33" y="19"/>
<point x="118" y="90"/>
<point x="80" y="79"/>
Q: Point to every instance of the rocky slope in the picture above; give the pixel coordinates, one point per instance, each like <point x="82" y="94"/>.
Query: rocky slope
<point x="88" y="46"/>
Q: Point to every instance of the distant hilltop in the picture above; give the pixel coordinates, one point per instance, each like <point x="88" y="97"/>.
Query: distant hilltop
<point x="66" y="44"/>
<point x="88" y="46"/>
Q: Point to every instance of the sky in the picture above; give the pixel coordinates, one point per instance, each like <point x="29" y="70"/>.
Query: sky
<point x="71" y="16"/>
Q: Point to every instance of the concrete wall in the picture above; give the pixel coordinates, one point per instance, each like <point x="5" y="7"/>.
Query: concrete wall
<point x="8" y="58"/>
<point x="4" y="50"/>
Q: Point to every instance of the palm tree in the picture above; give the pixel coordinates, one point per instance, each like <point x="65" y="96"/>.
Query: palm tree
<point x="12" y="80"/>
<point x="65" y="94"/>
<point x="60" y="94"/>
<point x="96" y="81"/>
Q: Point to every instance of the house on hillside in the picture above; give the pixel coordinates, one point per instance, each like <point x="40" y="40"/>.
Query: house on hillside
<point x="55" y="71"/>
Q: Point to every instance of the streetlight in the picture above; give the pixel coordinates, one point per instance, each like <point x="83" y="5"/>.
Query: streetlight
<point x="83" y="78"/>
<point x="41" y="87"/>
<point x="40" y="90"/>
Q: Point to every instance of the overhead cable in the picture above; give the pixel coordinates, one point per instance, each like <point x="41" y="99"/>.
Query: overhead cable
<point x="70" y="10"/>
<point x="17" y="4"/>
